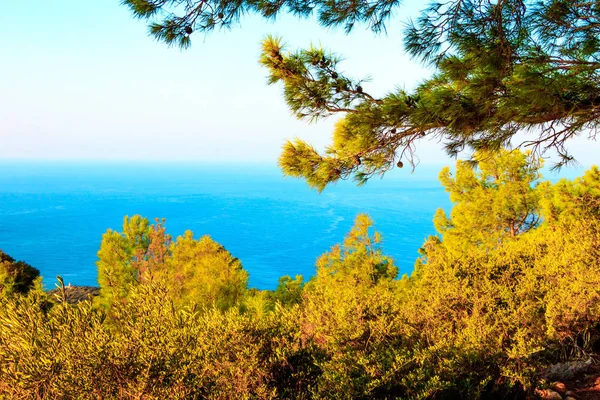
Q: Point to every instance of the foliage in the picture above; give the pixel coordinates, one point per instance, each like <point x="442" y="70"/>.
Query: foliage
<point x="115" y="269"/>
<point x="289" y="291"/>
<point x="206" y="272"/>
<point x="198" y="272"/>
<point x="577" y="199"/>
<point x="495" y="304"/>
<point x="479" y="317"/>
<point x="350" y="311"/>
<point x="16" y="276"/>
<point x="156" y="351"/>
<point x="500" y="67"/>
<point x="499" y="199"/>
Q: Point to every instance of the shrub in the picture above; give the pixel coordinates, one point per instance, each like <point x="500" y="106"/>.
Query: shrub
<point x="16" y="276"/>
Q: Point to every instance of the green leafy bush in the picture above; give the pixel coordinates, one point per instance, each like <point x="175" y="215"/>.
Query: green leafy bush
<point x="16" y="276"/>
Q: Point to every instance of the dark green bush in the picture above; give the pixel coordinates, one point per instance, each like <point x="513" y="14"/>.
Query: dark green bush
<point x="16" y="276"/>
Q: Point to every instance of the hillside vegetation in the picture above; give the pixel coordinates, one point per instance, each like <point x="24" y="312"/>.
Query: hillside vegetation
<point x="508" y="288"/>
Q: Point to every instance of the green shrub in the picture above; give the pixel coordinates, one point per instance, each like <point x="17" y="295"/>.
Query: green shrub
<point x="16" y="276"/>
<point x="194" y="271"/>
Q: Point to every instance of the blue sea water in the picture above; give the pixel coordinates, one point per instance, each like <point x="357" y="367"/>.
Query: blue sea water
<point x="53" y="214"/>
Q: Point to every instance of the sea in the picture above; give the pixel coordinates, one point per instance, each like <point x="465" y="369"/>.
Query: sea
<point x="53" y="213"/>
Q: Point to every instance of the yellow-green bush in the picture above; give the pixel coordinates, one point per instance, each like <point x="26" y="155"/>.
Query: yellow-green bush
<point x="151" y="350"/>
<point x="194" y="271"/>
<point x="481" y="314"/>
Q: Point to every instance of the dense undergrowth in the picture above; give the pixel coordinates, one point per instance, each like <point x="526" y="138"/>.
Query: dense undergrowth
<point x="509" y="286"/>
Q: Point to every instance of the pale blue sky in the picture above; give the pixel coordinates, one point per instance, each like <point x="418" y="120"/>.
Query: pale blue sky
<point x="82" y="80"/>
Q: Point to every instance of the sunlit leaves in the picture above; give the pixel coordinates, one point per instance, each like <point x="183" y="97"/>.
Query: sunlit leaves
<point x="500" y="68"/>
<point x="199" y="272"/>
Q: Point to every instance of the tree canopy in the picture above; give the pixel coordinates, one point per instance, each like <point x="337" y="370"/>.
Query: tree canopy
<point x="501" y="67"/>
<point x="501" y="198"/>
<point x="194" y="271"/>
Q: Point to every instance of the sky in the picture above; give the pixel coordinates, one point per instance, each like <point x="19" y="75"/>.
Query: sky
<point x="81" y="80"/>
